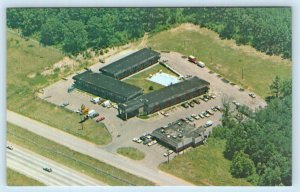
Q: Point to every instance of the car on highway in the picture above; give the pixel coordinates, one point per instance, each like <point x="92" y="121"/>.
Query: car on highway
<point x="47" y="169"/>
<point x="9" y="147"/>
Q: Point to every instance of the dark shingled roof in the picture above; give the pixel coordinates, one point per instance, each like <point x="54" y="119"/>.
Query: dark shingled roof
<point x="130" y="61"/>
<point x="107" y="83"/>
<point x="174" y="90"/>
<point x="166" y="93"/>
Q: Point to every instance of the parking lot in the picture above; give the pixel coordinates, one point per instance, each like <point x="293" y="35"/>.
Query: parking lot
<point x="124" y="131"/>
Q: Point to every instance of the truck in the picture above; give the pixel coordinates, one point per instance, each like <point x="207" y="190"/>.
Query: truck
<point x="96" y="100"/>
<point x="192" y="59"/>
<point x="200" y="64"/>
<point x="92" y="113"/>
<point x="106" y="103"/>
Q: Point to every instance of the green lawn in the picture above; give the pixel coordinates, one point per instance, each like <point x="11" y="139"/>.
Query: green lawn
<point x="28" y="57"/>
<point x="204" y="165"/>
<point x="70" y="158"/>
<point x="140" y="79"/>
<point x="15" y="178"/>
<point x="258" y="70"/>
<point x="131" y="153"/>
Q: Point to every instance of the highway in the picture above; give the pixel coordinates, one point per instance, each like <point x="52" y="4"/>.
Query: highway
<point x="32" y="164"/>
<point x="85" y="147"/>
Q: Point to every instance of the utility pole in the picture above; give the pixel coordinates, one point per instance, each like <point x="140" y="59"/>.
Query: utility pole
<point x="81" y="122"/>
<point x="242" y="73"/>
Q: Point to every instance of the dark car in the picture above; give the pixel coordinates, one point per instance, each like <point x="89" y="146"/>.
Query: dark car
<point x="9" y="147"/>
<point x="196" y="101"/>
<point x="185" y="105"/>
<point x="47" y="169"/>
<point x="191" y="104"/>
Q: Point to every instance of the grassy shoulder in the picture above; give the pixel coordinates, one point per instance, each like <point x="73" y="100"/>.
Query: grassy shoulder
<point x="15" y="178"/>
<point x="131" y="152"/>
<point x="140" y="79"/>
<point x="28" y="57"/>
<point x="224" y="56"/>
<point x="77" y="161"/>
<point x="204" y="165"/>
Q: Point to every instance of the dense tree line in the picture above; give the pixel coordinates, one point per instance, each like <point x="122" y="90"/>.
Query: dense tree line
<point x="76" y="29"/>
<point x="259" y="144"/>
<point x="266" y="29"/>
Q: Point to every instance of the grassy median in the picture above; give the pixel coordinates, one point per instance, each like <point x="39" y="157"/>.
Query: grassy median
<point x="224" y="56"/>
<point x="70" y="158"/>
<point x="26" y="60"/>
<point x="204" y="165"/>
<point x="15" y="178"/>
<point x="131" y="152"/>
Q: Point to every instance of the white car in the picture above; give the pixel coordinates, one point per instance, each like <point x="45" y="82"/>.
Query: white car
<point x="169" y="152"/>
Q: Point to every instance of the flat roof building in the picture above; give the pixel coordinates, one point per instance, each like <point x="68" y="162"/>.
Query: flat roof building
<point x="163" y="98"/>
<point x="106" y="87"/>
<point x="131" y="63"/>
<point x="180" y="135"/>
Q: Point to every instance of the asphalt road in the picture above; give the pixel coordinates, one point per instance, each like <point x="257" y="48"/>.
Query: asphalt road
<point x="85" y="147"/>
<point x="32" y="164"/>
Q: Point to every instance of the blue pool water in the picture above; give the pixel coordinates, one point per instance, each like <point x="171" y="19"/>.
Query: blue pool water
<point x="164" y="79"/>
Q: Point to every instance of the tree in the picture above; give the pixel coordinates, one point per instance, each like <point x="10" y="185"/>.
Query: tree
<point x="75" y="37"/>
<point x="275" y="87"/>
<point x="52" y="32"/>
<point x="271" y="177"/>
<point x="242" y="166"/>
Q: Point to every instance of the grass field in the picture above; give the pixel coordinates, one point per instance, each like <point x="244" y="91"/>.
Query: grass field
<point x="70" y="158"/>
<point x="224" y="56"/>
<point x="15" y="178"/>
<point x="131" y="153"/>
<point x="204" y="165"/>
<point x="28" y="57"/>
<point x="140" y="79"/>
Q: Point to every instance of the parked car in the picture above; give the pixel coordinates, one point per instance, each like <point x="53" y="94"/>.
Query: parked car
<point x="65" y="103"/>
<point x="190" y="119"/>
<point x="47" y="169"/>
<point x="236" y="103"/>
<point x="95" y="100"/>
<point x="100" y="119"/>
<point x="252" y="95"/>
<point x="191" y="104"/>
<point x="9" y="147"/>
<point x="210" y="112"/>
<point x="219" y="108"/>
<point x="196" y="101"/>
<point x="201" y="115"/>
<point x="205" y="114"/>
<point x="169" y="152"/>
<point x="164" y="113"/>
<point x="185" y="105"/>
<point x="208" y="124"/>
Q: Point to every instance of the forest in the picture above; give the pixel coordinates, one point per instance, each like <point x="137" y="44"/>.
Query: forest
<point x="74" y="30"/>
<point x="260" y="143"/>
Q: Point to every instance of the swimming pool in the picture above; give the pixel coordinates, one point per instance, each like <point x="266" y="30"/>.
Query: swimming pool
<point x="164" y="79"/>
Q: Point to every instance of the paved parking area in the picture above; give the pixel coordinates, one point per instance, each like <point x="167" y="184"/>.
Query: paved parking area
<point x="124" y="131"/>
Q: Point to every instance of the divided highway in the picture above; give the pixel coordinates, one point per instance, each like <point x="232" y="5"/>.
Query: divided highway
<point x="31" y="164"/>
<point x="85" y="147"/>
